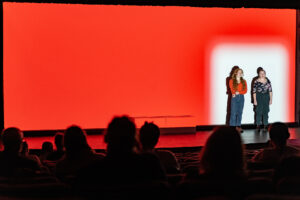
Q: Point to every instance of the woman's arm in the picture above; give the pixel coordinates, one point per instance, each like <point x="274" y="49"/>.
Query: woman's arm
<point x="244" y="91"/>
<point x="270" y="92"/>
<point x="254" y="92"/>
<point x="254" y="99"/>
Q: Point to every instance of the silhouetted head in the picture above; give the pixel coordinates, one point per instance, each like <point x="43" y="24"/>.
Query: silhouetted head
<point x="59" y="141"/>
<point x="12" y="139"/>
<point x="223" y="153"/>
<point x="121" y="135"/>
<point x="149" y="135"/>
<point x="75" y="140"/>
<point x="47" y="147"/>
<point x="279" y="134"/>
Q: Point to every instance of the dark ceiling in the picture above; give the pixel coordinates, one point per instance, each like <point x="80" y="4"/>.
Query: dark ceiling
<point x="295" y="4"/>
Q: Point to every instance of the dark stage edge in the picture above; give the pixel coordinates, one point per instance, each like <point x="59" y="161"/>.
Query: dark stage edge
<point x="168" y="130"/>
<point x="198" y="139"/>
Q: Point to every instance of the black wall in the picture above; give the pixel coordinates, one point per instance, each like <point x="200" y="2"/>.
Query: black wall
<point x="297" y="102"/>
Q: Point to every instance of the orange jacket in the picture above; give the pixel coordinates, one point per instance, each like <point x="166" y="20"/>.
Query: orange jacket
<point x="239" y="87"/>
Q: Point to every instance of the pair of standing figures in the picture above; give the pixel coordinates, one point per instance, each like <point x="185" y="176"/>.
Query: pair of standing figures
<point x="262" y="98"/>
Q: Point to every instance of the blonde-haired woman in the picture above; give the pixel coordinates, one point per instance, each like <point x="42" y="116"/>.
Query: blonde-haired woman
<point x="238" y="87"/>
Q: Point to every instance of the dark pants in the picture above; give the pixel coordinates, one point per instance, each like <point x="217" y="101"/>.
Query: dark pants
<point x="237" y="106"/>
<point x="262" y="109"/>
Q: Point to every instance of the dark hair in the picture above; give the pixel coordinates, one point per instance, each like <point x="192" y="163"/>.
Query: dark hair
<point x="259" y="69"/>
<point x="47" y="147"/>
<point x="223" y="153"/>
<point x="149" y="135"/>
<point x="12" y="138"/>
<point x="279" y="133"/>
<point x="121" y="135"/>
<point x="59" y="140"/>
<point x="75" y="140"/>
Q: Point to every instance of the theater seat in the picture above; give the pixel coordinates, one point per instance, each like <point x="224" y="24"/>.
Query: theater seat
<point x="272" y="197"/>
<point x="214" y="198"/>
<point x="289" y="185"/>
<point x="174" y="179"/>
<point x="194" y="189"/>
<point x="259" y="185"/>
<point x="30" y="180"/>
<point x="38" y="189"/>
<point x="266" y="173"/>
<point x="260" y="165"/>
<point x="152" y="190"/>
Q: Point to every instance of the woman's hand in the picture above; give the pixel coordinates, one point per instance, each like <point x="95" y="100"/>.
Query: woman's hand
<point x="255" y="102"/>
<point x="270" y="102"/>
<point x="233" y="95"/>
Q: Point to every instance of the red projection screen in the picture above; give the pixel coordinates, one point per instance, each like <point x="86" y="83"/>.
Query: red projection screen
<point x="82" y="64"/>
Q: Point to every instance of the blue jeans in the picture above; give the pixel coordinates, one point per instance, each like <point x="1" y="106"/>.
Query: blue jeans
<point x="237" y="106"/>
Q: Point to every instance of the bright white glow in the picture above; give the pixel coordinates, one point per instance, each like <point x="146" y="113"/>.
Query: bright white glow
<point x="273" y="57"/>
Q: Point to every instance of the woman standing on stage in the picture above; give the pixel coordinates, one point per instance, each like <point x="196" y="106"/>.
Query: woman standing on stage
<point x="262" y="99"/>
<point x="238" y="87"/>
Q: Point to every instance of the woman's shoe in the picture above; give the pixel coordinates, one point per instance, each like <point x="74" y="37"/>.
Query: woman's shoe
<point x="258" y="129"/>
<point x="265" y="129"/>
<point x="241" y="130"/>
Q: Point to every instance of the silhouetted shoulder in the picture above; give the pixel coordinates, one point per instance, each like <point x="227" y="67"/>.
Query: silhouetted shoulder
<point x="16" y="165"/>
<point x="153" y="167"/>
<point x="168" y="160"/>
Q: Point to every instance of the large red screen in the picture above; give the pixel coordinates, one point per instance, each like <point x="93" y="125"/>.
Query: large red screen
<point x="83" y="64"/>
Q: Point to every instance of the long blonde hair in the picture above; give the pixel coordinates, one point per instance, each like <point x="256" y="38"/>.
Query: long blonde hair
<point x="235" y="83"/>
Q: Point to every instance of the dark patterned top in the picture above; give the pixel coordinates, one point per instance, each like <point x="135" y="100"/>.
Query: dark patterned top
<point x="260" y="87"/>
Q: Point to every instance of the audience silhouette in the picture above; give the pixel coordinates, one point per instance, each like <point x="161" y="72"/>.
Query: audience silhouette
<point x="25" y="153"/>
<point x="78" y="153"/>
<point x="123" y="163"/>
<point x="59" y="144"/>
<point x="279" y="134"/>
<point x="132" y="163"/>
<point x="223" y="155"/>
<point x="12" y="162"/>
<point x="47" y="149"/>
<point x="149" y="136"/>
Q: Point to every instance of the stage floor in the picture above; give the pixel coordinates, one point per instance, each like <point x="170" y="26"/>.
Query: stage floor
<point x="172" y="140"/>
